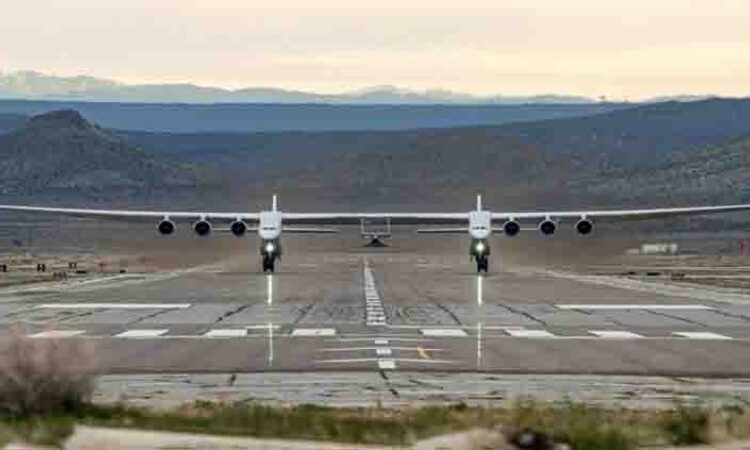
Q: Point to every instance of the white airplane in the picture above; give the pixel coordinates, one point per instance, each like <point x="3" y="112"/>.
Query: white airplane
<point x="478" y="224"/>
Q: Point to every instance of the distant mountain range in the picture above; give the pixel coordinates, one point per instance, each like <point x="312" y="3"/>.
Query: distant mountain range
<point x="653" y="155"/>
<point x="39" y="86"/>
<point x="257" y="117"/>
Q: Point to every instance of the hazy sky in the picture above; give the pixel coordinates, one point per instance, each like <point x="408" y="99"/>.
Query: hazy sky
<point x="624" y="48"/>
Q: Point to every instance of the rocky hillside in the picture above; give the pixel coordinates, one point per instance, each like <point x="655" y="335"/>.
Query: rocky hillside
<point x="62" y="151"/>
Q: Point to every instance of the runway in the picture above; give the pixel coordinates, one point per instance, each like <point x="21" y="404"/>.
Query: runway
<point x="386" y="312"/>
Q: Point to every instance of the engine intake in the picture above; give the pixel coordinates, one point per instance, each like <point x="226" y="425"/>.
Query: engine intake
<point x="166" y="227"/>
<point x="584" y="227"/>
<point x="547" y="227"/>
<point x="238" y="228"/>
<point x="202" y="228"/>
<point x="511" y="228"/>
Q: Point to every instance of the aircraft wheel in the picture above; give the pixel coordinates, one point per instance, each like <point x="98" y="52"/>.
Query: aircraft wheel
<point x="483" y="264"/>
<point x="268" y="264"/>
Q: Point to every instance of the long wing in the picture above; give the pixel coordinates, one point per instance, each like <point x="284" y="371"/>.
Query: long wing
<point x="624" y="214"/>
<point x="128" y="214"/>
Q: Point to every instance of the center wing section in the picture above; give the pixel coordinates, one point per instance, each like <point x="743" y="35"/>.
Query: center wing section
<point x="357" y="218"/>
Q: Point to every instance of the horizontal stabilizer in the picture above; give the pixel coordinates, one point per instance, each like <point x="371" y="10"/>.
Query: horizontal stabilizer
<point x="376" y="235"/>
<point x="443" y="230"/>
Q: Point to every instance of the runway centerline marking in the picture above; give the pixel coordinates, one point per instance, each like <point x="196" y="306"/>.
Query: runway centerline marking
<point x="313" y="332"/>
<point x="142" y="333"/>
<point x="374" y="312"/>
<point x="386" y="364"/>
<point x="702" y="335"/>
<point x="113" y="306"/>
<point x="56" y="334"/>
<point x="612" y="306"/>
<point x="383" y="351"/>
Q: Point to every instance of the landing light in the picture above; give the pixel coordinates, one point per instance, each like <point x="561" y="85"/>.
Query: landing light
<point x="480" y="247"/>
<point x="269" y="247"/>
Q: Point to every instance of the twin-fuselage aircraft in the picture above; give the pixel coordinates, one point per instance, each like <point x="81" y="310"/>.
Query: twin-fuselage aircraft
<point x="479" y="224"/>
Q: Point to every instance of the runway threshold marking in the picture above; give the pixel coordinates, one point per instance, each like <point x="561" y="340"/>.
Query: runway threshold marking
<point x="113" y="306"/>
<point x="531" y="334"/>
<point x="136" y="334"/>
<point x="613" y="334"/>
<point x="56" y="334"/>
<point x="702" y="335"/>
<point x="443" y="332"/>
<point x="313" y="332"/>
<point x="633" y="306"/>
<point x="226" y="332"/>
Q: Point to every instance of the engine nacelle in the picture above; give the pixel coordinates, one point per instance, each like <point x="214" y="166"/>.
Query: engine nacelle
<point x="547" y="227"/>
<point x="166" y="227"/>
<point x="584" y="227"/>
<point x="238" y="228"/>
<point x="511" y="228"/>
<point x="202" y="228"/>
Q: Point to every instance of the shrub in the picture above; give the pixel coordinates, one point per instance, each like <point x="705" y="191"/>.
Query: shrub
<point x="688" y="425"/>
<point x="43" y="376"/>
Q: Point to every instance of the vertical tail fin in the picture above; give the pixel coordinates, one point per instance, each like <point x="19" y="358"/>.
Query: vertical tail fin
<point x="274" y="203"/>
<point x="479" y="202"/>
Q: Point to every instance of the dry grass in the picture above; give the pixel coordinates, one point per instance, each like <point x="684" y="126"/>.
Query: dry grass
<point x="43" y="376"/>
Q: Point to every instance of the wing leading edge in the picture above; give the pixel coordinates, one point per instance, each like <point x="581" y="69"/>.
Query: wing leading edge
<point x="394" y="218"/>
<point x="625" y="214"/>
<point x="129" y="214"/>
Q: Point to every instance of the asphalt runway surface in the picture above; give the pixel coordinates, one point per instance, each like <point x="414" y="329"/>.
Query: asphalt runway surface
<point x="385" y="311"/>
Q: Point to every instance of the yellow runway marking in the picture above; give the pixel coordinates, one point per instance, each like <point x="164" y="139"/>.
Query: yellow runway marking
<point x="423" y="353"/>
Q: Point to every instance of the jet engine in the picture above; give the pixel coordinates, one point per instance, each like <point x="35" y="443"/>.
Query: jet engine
<point x="584" y="227"/>
<point x="511" y="228"/>
<point x="166" y="227"/>
<point x="238" y="228"/>
<point x="547" y="227"/>
<point x="202" y="228"/>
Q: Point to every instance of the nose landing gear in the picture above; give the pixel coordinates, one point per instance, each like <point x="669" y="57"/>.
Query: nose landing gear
<point x="269" y="263"/>
<point x="270" y="251"/>
<point x="483" y="263"/>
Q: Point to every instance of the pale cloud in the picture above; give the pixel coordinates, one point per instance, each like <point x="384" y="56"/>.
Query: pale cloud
<point x="632" y="48"/>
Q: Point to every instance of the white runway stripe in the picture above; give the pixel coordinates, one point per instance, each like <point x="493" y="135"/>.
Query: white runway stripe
<point x="632" y="306"/>
<point x="113" y="306"/>
<point x="613" y="334"/>
<point x="311" y="332"/>
<point x="226" y="332"/>
<point x="530" y="333"/>
<point x="374" y="312"/>
<point x="702" y="335"/>
<point x="444" y="332"/>
<point x="57" y="334"/>
<point x="142" y="333"/>
<point x="386" y="364"/>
